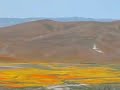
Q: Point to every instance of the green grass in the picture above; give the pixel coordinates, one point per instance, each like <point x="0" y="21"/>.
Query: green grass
<point x="94" y="87"/>
<point x="98" y="87"/>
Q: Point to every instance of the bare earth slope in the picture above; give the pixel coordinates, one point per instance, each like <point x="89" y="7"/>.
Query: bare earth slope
<point x="51" y="41"/>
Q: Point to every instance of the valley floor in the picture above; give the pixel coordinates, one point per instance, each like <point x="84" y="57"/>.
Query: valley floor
<point x="59" y="76"/>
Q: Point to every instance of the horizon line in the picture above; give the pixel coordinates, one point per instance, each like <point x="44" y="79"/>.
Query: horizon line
<point x="58" y="17"/>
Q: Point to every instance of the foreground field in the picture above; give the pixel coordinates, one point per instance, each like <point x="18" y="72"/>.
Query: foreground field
<point x="46" y="76"/>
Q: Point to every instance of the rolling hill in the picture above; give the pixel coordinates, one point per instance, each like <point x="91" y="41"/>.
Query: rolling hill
<point x="53" y="41"/>
<point x="5" y="22"/>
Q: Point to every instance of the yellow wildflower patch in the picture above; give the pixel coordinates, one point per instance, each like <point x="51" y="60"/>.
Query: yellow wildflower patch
<point x="37" y="76"/>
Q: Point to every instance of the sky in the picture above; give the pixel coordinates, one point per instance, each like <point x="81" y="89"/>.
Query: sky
<point x="60" y="8"/>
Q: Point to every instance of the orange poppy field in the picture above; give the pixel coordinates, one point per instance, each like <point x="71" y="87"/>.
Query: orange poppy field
<point x="47" y="74"/>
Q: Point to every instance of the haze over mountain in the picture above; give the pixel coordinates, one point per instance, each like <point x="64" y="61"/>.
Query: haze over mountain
<point x="53" y="41"/>
<point x="4" y="22"/>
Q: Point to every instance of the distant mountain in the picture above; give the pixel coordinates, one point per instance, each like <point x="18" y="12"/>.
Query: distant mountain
<point x="4" y="22"/>
<point x="69" y="19"/>
<point x="53" y="41"/>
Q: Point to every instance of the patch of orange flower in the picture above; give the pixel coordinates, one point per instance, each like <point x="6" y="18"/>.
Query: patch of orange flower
<point x="36" y="77"/>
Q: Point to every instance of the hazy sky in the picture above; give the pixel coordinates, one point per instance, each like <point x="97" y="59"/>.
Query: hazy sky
<point x="60" y="8"/>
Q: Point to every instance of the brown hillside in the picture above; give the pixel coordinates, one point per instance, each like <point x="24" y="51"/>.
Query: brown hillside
<point x="50" y="41"/>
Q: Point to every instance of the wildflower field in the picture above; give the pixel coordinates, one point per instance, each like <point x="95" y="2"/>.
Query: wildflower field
<point x="20" y="76"/>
